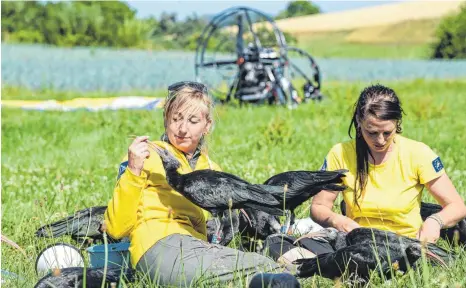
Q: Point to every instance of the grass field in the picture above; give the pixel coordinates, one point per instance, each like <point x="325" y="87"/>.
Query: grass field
<point x="54" y="163"/>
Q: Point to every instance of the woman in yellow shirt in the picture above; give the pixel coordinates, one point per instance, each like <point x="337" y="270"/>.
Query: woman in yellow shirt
<point x="167" y="232"/>
<point x="387" y="173"/>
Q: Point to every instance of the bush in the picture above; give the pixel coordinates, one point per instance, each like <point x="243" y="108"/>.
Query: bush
<point x="298" y="8"/>
<point x="451" y="37"/>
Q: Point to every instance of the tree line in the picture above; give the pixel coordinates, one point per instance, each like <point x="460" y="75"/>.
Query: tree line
<point x="106" y="24"/>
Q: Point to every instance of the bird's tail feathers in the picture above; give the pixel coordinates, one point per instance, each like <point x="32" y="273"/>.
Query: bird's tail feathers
<point x="56" y="229"/>
<point x="71" y="224"/>
<point x="324" y="177"/>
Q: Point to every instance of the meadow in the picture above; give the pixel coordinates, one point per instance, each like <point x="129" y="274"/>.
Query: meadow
<point x="55" y="163"/>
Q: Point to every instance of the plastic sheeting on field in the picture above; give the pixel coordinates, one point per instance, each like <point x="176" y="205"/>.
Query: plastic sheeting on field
<point x="91" y="104"/>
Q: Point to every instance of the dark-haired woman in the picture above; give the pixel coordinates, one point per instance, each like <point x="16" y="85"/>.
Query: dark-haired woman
<point x="387" y="174"/>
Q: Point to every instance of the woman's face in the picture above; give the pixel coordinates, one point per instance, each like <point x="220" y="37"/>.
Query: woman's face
<point x="185" y="131"/>
<point x="378" y="134"/>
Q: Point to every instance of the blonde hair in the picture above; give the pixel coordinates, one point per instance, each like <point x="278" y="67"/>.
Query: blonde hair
<point x="189" y="101"/>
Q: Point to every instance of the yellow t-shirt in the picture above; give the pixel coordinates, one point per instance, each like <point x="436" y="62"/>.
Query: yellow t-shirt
<point x="391" y="200"/>
<point x="147" y="209"/>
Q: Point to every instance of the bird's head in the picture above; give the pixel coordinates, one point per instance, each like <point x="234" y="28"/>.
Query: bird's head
<point x="168" y="159"/>
<point x="329" y="234"/>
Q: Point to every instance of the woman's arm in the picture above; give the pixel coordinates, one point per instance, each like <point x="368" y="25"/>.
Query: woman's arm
<point x="321" y="212"/>
<point x="121" y="216"/>
<point x="454" y="209"/>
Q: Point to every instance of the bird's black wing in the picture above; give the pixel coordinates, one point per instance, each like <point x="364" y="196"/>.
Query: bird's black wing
<point x="84" y="223"/>
<point x="221" y="183"/>
<point x="220" y="174"/>
<point x="303" y="179"/>
<point x="357" y="260"/>
<point x="212" y="190"/>
<point x="397" y="242"/>
<point x="73" y="277"/>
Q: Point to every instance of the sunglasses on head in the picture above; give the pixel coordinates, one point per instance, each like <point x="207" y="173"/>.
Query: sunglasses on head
<point x="191" y="84"/>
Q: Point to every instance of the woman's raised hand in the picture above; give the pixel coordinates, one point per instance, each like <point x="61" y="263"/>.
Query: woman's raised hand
<point x="138" y="151"/>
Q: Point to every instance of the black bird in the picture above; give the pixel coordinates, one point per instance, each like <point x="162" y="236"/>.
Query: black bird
<point x="74" y="277"/>
<point x="428" y="209"/>
<point x="230" y="227"/>
<point x="258" y="227"/>
<point x="358" y="261"/>
<point x="302" y="185"/>
<point x="86" y="223"/>
<point x="217" y="191"/>
<point x="368" y="236"/>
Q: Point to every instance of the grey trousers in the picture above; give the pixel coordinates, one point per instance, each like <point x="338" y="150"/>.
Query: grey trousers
<point x="185" y="261"/>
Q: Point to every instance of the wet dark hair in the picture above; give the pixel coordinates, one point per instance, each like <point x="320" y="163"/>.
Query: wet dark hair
<point x="382" y="103"/>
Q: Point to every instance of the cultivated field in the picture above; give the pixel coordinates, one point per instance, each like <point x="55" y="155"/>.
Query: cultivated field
<point x="130" y="71"/>
<point x="387" y="14"/>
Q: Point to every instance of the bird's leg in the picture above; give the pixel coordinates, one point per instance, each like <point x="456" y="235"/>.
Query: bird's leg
<point x="292" y="217"/>
<point x="287" y="222"/>
<point x="216" y="237"/>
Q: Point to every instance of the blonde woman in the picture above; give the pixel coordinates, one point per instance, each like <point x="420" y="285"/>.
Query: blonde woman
<point x="167" y="231"/>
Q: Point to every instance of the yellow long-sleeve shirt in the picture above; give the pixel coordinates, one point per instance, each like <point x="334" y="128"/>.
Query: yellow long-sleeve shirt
<point x="147" y="209"/>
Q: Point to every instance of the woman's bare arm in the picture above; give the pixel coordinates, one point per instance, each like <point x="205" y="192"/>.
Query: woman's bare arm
<point x="443" y="190"/>
<point x="321" y="212"/>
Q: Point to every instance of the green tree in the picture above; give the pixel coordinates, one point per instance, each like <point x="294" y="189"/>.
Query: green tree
<point x="298" y="8"/>
<point x="21" y="20"/>
<point x="451" y="37"/>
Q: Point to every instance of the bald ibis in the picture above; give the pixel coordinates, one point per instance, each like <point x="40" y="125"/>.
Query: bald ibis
<point x="368" y="236"/>
<point x="359" y="260"/>
<point x="217" y="191"/>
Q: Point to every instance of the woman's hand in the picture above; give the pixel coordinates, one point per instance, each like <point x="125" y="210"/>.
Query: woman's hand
<point x="430" y="231"/>
<point x="343" y="223"/>
<point x="138" y="151"/>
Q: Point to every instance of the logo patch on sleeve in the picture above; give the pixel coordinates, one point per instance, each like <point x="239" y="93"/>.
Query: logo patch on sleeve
<point x="122" y="169"/>
<point x="437" y="164"/>
<point x="324" y="166"/>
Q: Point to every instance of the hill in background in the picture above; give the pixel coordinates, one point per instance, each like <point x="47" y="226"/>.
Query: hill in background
<point x="398" y="30"/>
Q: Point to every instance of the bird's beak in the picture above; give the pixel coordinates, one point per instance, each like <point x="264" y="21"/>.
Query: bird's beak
<point x="156" y="148"/>
<point x="13" y="244"/>
<point x="318" y="236"/>
<point x="436" y="258"/>
<point x="246" y="215"/>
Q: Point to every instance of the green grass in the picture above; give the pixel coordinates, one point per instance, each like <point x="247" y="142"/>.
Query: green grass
<point x="23" y="93"/>
<point x="54" y="163"/>
<point x="335" y="45"/>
